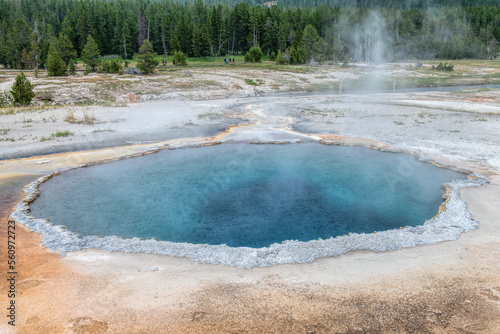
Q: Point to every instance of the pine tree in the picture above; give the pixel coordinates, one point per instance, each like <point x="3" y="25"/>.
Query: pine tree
<point x="269" y="42"/>
<point x="146" y="56"/>
<point x="141" y="28"/>
<point x="281" y="38"/>
<point x="205" y="44"/>
<point x="55" y="65"/>
<point x="25" y="60"/>
<point x="19" y="38"/>
<point x="36" y="51"/>
<point x="310" y="42"/>
<point x="22" y="90"/>
<point x="174" y="43"/>
<point x="165" y="35"/>
<point x="183" y="34"/>
<point x="196" y="41"/>
<point x="64" y="48"/>
<point x="126" y="41"/>
<point x="90" y="53"/>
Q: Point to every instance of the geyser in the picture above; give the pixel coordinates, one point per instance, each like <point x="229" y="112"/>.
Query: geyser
<point x="246" y="195"/>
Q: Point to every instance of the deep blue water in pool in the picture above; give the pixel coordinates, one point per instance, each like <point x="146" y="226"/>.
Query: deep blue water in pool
<point x="246" y="195"/>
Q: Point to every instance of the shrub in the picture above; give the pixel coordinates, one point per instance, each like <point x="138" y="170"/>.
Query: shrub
<point x="5" y="100"/>
<point x="180" y="58"/>
<point x="273" y="56"/>
<point x="22" y="90"/>
<point x="72" y="67"/>
<point x="280" y="58"/>
<point x="345" y="63"/>
<point x="111" y="66"/>
<point x="297" y="55"/>
<point x="254" y="55"/>
<point x="445" y="67"/>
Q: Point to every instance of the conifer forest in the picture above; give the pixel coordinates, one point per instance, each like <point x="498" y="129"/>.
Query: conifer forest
<point x="297" y="30"/>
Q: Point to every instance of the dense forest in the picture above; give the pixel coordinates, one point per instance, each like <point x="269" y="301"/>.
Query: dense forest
<point x="335" y="30"/>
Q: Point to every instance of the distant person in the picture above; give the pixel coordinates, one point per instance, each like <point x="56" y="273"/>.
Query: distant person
<point x="173" y="62"/>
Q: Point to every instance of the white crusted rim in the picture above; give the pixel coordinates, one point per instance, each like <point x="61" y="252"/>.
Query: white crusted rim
<point x="448" y="225"/>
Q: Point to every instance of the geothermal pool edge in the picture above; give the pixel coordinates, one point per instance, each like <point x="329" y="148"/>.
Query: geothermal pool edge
<point x="447" y="225"/>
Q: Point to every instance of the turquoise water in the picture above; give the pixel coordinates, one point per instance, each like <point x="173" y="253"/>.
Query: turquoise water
<point x="246" y="195"/>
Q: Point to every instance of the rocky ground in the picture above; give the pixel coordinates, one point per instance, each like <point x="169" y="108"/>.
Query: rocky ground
<point x="450" y="287"/>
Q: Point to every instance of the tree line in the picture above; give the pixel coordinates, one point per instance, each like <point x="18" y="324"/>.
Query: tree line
<point x="371" y="31"/>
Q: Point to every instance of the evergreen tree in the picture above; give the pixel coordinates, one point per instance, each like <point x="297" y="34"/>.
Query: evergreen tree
<point x="22" y="90"/>
<point x="55" y="64"/>
<point x="196" y="40"/>
<point x="64" y="48"/>
<point x="35" y="51"/>
<point x="270" y="35"/>
<point x="84" y="27"/>
<point x="90" y="53"/>
<point x="281" y="38"/>
<point x="183" y="34"/>
<point x="253" y="29"/>
<point x="67" y="29"/>
<point x="404" y="30"/>
<point x="141" y="28"/>
<point x="2" y="52"/>
<point x="310" y="42"/>
<point x="19" y="39"/>
<point x="146" y="56"/>
<point x="123" y="40"/>
<point x="205" y="44"/>
<point x="25" y="60"/>
<point x="217" y="29"/>
<point x="165" y="35"/>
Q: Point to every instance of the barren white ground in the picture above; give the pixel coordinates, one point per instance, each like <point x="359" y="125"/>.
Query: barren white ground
<point x="121" y="292"/>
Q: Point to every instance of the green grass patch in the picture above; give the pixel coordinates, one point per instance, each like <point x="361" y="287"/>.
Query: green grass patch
<point x="251" y="82"/>
<point x="62" y="134"/>
<point x="7" y="139"/>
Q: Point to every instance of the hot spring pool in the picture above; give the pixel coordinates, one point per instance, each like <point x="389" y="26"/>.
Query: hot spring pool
<point x="246" y="195"/>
